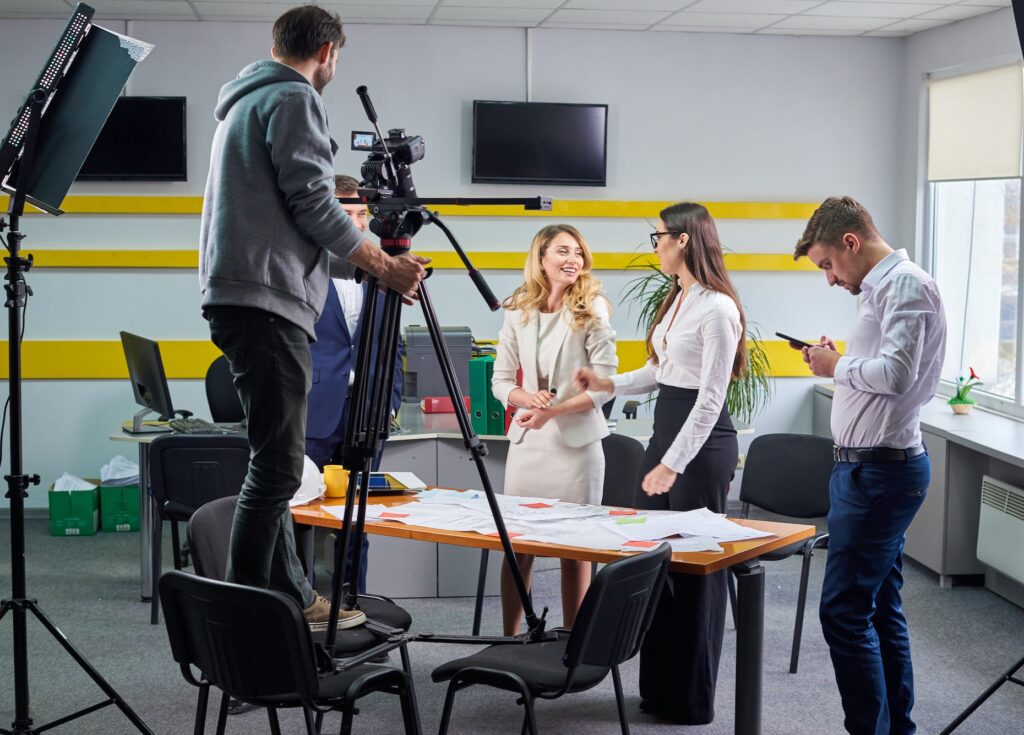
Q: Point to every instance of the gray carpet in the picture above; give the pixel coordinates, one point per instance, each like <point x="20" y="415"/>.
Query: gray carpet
<point x="963" y="639"/>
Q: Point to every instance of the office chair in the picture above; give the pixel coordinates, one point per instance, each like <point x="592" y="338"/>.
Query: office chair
<point x="185" y="472"/>
<point x="788" y="474"/>
<point x="616" y="613"/>
<point x="254" y="645"/>
<point x="225" y="407"/>
<point x="208" y="533"/>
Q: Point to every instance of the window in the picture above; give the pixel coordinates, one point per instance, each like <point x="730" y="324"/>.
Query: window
<point x="974" y="176"/>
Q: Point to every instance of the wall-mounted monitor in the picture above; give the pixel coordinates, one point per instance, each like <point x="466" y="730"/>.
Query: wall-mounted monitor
<point x="142" y="140"/>
<point x="540" y="143"/>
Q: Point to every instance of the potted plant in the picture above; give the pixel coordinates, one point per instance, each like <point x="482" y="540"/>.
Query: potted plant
<point x="961" y="402"/>
<point x="748" y="395"/>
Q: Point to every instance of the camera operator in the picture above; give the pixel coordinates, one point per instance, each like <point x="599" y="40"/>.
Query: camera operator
<point x="270" y="225"/>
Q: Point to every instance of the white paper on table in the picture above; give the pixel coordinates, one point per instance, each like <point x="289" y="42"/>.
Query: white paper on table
<point x="408" y="479"/>
<point x="700" y="522"/>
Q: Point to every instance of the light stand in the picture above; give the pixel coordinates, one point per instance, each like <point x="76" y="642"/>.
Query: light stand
<point x="1007" y="677"/>
<point x="23" y="139"/>
<point x="396" y="221"/>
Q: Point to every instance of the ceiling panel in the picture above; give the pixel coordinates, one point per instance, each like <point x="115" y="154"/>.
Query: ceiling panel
<point x="845" y="8"/>
<point x="721" y="20"/>
<point x="782" y="7"/>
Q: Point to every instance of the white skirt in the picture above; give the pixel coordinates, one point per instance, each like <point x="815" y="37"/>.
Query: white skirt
<point x="543" y="465"/>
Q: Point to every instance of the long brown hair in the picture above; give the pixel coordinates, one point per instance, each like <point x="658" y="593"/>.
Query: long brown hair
<point x="703" y="258"/>
<point x="533" y="293"/>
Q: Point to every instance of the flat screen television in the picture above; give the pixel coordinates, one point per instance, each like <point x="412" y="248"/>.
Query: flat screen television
<point x="142" y="140"/>
<point x="540" y="143"/>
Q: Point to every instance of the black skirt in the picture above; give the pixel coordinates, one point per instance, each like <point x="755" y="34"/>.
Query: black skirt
<point x="680" y="654"/>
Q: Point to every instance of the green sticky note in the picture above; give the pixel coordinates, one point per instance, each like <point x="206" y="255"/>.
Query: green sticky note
<point x="632" y="519"/>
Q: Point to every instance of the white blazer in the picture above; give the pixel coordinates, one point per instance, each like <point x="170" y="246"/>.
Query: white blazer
<point x="592" y="346"/>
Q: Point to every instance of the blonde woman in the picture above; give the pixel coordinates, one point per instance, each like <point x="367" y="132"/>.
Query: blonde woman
<point x="555" y="322"/>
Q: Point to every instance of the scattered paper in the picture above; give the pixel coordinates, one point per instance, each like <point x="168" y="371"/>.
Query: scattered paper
<point x="68" y="481"/>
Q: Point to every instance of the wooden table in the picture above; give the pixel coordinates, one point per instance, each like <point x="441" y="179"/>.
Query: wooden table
<point x="740" y="556"/>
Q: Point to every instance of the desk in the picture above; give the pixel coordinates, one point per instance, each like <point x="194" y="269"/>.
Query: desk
<point x="741" y="556"/>
<point x="145" y="509"/>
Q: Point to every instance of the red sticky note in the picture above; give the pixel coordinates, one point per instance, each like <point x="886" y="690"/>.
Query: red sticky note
<point x="389" y="514"/>
<point x="641" y="544"/>
<point x="511" y="534"/>
<point x="536" y="505"/>
<point x="622" y="512"/>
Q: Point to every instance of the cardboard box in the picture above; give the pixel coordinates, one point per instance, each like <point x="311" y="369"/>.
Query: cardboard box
<point x="119" y="508"/>
<point x="74" y="512"/>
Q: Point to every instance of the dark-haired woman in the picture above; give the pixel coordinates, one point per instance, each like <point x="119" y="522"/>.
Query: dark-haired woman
<point x="695" y="349"/>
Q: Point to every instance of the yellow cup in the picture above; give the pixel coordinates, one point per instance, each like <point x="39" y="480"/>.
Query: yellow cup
<point x="336" y="480"/>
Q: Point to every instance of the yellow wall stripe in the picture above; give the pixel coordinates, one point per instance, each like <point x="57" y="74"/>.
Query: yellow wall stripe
<point x="189" y="359"/>
<point x="561" y="208"/>
<point x="442" y="260"/>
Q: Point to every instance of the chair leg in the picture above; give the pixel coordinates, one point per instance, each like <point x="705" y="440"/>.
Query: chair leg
<point x="620" y="701"/>
<point x="732" y="596"/>
<point x="156" y="539"/>
<point x="801" y="600"/>
<point x="307" y="716"/>
<point x="531" y="720"/>
<point x="403" y="651"/>
<point x="481" y="583"/>
<point x="222" y="714"/>
<point x="175" y="545"/>
<point x="346" y="717"/>
<point x="449" y="700"/>
<point x="275" y="724"/>
<point x="319" y="721"/>
<point x="410" y="711"/>
<point x="204" y="698"/>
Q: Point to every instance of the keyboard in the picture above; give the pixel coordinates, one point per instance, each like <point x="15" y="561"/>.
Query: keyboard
<point x="193" y="425"/>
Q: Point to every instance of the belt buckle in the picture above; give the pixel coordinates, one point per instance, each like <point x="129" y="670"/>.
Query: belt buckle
<point x="837" y="453"/>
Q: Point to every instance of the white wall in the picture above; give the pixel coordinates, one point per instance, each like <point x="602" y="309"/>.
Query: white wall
<point x="693" y="116"/>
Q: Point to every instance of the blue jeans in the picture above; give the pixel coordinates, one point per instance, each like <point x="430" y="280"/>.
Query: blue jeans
<point x="270" y="362"/>
<point x="872" y="504"/>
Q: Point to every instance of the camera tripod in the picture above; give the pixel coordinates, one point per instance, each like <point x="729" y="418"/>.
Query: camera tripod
<point x="396" y="220"/>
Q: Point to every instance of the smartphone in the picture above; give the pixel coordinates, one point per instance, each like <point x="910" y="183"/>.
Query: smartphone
<point x="794" y="340"/>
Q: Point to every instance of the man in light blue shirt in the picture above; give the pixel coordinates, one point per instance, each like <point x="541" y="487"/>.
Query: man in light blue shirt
<point x="882" y="471"/>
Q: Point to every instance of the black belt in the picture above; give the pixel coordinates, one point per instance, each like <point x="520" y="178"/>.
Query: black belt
<point x="875" y="454"/>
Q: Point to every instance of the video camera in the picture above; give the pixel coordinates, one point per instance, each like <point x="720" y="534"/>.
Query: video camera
<point x="402" y="150"/>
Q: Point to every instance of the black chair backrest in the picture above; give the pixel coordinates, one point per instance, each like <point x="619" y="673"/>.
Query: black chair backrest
<point x="189" y="470"/>
<point x="248" y="642"/>
<point x="225" y="407"/>
<point x="617" y="610"/>
<point x="622" y="457"/>
<point x="209" y="530"/>
<point x="788" y="474"/>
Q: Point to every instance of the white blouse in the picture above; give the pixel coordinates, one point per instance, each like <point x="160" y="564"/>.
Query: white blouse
<point x="696" y="351"/>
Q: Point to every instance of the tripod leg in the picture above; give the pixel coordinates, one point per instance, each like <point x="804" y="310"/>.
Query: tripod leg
<point x="478" y="450"/>
<point x="88" y="669"/>
<point x="1008" y="676"/>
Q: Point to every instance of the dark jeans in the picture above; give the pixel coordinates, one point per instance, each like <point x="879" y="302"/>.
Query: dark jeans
<point x="269" y="359"/>
<point x="861" y="611"/>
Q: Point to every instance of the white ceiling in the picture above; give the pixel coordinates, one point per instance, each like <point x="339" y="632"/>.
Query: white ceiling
<point x="777" y="17"/>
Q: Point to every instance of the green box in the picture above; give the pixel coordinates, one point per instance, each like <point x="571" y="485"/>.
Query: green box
<point x="119" y="508"/>
<point x="74" y="512"/>
<point x="488" y="415"/>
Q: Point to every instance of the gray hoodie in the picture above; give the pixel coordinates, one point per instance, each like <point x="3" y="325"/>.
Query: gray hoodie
<point x="269" y="213"/>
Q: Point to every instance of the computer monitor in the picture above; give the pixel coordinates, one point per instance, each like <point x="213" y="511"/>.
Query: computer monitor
<point x="149" y="382"/>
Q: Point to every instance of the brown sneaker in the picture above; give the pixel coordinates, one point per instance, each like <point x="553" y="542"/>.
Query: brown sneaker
<point x="319" y="611"/>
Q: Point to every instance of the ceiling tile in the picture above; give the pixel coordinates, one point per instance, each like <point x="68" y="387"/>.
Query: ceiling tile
<point x="776" y="31"/>
<point x="782" y="7"/>
<point x="547" y="4"/>
<point x="142" y="10"/>
<point x="641" y="18"/>
<point x="339" y="6"/>
<point x="366" y="13"/>
<point x="956" y="12"/>
<point x="828" y="23"/>
<point x="912" y="25"/>
<point x="705" y="29"/>
<point x="844" y="8"/>
<point x="236" y="11"/>
<point x="667" y="6"/>
<point x="596" y="26"/>
<point x="478" y="15"/>
<point x="721" y="20"/>
<point x="35" y="9"/>
<point x="990" y="3"/>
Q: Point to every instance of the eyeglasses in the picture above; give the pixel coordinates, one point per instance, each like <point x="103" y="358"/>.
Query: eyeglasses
<point x="655" y="236"/>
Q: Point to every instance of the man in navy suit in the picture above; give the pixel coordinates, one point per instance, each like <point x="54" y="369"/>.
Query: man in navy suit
<point x="334" y="359"/>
